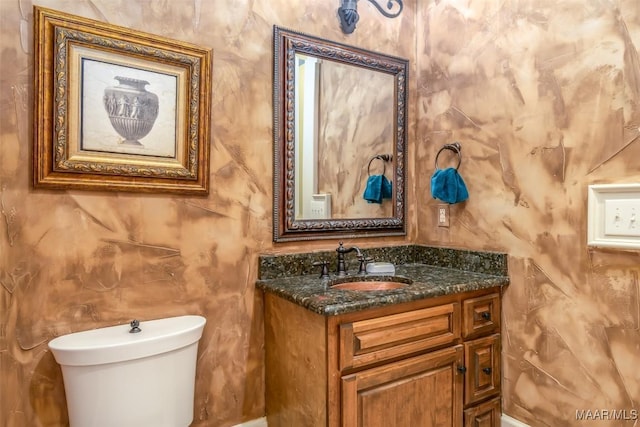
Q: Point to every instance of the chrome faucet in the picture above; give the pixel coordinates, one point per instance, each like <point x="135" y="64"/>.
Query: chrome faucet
<point x="341" y="250"/>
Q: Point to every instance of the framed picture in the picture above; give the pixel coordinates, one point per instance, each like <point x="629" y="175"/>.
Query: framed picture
<point x="118" y="109"/>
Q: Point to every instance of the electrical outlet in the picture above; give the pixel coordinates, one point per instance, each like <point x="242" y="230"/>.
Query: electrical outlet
<point x="442" y="213"/>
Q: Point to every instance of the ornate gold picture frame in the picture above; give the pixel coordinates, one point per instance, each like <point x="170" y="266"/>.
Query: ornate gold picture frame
<point x="118" y="109"/>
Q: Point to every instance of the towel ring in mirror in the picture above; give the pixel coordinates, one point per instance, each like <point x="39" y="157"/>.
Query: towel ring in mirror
<point x="456" y="148"/>
<point x="385" y="158"/>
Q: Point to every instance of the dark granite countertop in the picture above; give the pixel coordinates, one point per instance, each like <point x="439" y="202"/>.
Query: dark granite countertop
<point x="428" y="281"/>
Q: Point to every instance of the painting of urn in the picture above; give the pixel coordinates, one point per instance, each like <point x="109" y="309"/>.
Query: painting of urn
<point x="131" y="108"/>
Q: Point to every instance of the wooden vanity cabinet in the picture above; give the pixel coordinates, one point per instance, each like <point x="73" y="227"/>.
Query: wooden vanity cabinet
<point x="433" y="362"/>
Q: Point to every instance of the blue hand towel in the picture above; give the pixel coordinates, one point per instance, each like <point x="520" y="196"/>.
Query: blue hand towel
<point x="378" y="188"/>
<point x="387" y="191"/>
<point x="448" y="186"/>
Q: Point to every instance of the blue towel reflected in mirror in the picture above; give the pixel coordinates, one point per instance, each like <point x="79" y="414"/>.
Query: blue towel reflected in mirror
<point x="378" y="188"/>
<point x="448" y="186"/>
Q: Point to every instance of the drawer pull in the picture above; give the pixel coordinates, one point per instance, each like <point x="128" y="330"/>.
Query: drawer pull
<point x="486" y="315"/>
<point x="486" y="371"/>
<point x="462" y="369"/>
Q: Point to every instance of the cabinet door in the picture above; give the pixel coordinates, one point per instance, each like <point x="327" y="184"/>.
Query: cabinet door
<point x="482" y="359"/>
<point x="486" y="414"/>
<point x="423" y="391"/>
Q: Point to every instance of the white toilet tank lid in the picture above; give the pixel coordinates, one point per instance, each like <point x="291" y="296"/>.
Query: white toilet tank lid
<point x="116" y="344"/>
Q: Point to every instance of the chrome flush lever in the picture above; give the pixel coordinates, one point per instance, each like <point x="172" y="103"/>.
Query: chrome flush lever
<point x="135" y="326"/>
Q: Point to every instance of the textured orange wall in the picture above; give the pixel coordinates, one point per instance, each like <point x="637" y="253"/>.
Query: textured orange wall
<point x="544" y="96"/>
<point x="76" y="260"/>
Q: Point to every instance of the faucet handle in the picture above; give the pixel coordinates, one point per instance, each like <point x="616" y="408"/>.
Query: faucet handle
<point x="363" y="263"/>
<point x="324" y="272"/>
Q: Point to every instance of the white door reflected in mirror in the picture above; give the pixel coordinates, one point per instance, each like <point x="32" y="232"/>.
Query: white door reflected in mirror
<point x="344" y="117"/>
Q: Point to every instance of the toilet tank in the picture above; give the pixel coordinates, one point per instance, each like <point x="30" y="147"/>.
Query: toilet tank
<point x="113" y="377"/>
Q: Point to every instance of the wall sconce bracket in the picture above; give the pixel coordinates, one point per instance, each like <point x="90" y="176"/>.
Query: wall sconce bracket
<point x="348" y="12"/>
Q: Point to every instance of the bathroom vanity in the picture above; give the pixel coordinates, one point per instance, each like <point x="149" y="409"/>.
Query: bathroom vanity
<point x="427" y="353"/>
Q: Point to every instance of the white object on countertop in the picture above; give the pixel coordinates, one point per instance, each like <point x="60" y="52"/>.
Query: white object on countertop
<point x="381" y="268"/>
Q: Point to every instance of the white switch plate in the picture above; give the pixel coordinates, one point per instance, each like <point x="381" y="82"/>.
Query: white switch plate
<point x="320" y="206"/>
<point x="613" y="217"/>
<point x="622" y="217"/>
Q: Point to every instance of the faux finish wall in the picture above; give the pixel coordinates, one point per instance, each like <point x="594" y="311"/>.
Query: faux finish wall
<point x="75" y="260"/>
<point x="544" y="97"/>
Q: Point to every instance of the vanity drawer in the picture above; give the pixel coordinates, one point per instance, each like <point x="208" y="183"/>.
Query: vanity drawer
<point x="481" y="315"/>
<point x="486" y="414"/>
<point x="373" y="340"/>
<point x="482" y="360"/>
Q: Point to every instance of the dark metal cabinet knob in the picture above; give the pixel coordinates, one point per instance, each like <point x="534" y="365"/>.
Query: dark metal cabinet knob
<point x="486" y="315"/>
<point x="487" y="371"/>
<point x="462" y="369"/>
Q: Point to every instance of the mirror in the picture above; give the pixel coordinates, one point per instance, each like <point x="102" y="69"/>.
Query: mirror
<point x="339" y="139"/>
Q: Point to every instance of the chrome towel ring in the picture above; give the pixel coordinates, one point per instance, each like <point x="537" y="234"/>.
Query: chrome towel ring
<point x="455" y="147"/>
